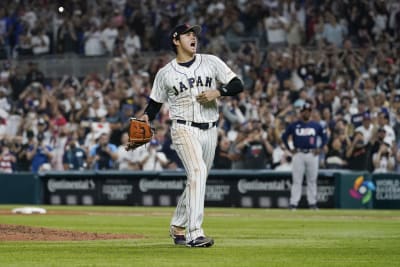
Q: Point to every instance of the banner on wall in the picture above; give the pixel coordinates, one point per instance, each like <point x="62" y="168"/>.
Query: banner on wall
<point x="224" y="189"/>
<point x="387" y="191"/>
<point x="354" y="190"/>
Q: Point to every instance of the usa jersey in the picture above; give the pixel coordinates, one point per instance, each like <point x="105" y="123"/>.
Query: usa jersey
<point x="305" y="134"/>
<point x="179" y="85"/>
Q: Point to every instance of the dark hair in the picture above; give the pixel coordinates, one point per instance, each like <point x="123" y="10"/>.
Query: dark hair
<point x="173" y="46"/>
<point x="30" y="134"/>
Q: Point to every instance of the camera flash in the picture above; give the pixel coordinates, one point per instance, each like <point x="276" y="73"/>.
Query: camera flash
<point x="61" y="9"/>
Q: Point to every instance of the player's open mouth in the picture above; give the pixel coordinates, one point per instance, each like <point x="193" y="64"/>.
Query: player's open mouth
<point x="193" y="44"/>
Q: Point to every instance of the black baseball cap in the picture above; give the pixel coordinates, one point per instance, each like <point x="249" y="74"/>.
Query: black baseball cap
<point x="306" y="106"/>
<point x="184" y="28"/>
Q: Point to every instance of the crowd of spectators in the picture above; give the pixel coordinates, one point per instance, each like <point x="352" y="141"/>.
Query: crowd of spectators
<point x="342" y="55"/>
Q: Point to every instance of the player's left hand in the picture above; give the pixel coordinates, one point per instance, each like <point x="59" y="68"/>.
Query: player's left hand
<point x="207" y="96"/>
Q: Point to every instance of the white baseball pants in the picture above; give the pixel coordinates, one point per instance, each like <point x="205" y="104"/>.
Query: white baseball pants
<point x="196" y="149"/>
<point x="304" y="164"/>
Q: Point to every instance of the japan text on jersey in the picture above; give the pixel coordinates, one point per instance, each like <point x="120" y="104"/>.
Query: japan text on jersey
<point x="191" y="83"/>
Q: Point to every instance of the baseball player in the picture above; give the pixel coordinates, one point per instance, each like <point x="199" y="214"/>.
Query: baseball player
<point x="190" y="85"/>
<point x="304" y="134"/>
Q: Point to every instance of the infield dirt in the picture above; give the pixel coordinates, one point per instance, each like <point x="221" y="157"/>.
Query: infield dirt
<point x="12" y="232"/>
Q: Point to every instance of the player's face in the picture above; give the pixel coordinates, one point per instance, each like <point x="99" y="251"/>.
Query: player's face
<point x="188" y="42"/>
<point x="306" y="114"/>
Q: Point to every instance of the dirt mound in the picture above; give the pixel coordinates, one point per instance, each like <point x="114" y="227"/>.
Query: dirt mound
<point x="10" y="232"/>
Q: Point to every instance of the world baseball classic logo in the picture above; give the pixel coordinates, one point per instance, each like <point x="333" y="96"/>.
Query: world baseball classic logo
<point x="362" y="190"/>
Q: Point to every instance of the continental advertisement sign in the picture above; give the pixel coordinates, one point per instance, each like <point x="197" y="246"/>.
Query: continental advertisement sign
<point x="224" y="189"/>
<point x="252" y="189"/>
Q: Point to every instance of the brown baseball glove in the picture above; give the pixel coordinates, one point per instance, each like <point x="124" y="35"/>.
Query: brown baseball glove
<point x="140" y="133"/>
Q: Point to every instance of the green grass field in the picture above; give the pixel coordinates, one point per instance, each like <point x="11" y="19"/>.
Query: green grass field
<point x="243" y="237"/>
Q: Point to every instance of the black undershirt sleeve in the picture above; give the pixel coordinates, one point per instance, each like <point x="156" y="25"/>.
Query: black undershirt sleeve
<point x="234" y="87"/>
<point x="152" y="109"/>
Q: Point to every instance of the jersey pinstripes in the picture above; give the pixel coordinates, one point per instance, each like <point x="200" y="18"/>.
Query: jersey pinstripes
<point x="196" y="148"/>
<point x="179" y="86"/>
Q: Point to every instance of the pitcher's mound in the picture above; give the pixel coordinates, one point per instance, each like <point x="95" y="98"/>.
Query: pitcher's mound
<point x="10" y="232"/>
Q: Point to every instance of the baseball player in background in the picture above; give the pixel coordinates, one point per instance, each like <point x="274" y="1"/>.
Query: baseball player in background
<point x="190" y="84"/>
<point x="305" y="150"/>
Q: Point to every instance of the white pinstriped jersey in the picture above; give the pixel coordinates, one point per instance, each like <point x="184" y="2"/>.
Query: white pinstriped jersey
<point x="179" y="86"/>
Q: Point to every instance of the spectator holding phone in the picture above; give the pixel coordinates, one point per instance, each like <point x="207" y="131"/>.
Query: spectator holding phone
<point x="103" y="155"/>
<point x="383" y="159"/>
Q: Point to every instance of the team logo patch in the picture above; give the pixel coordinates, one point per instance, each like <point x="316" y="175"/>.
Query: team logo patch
<point x="362" y="190"/>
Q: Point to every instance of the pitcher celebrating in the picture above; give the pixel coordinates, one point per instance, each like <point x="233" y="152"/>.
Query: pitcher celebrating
<point x="190" y="85"/>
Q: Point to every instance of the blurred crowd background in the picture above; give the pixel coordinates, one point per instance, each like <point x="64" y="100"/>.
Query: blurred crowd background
<point x="342" y="55"/>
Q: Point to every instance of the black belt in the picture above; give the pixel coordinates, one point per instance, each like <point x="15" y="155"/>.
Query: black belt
<point x="304" y="150"/>
<point x="203" y="126"/>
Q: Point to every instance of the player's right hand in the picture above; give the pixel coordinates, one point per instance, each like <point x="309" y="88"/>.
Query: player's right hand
<point x="207" y="96"/>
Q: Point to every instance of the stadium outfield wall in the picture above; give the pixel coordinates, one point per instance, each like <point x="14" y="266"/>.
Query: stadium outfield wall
<point x="231" y="188"/>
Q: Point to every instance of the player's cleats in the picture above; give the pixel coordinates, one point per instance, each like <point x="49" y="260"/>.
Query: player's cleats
<point x="201" y="242"/>
<point x="178" y="235"/>
<point x="313" y="207"/>
<point x="292" y="207"/>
